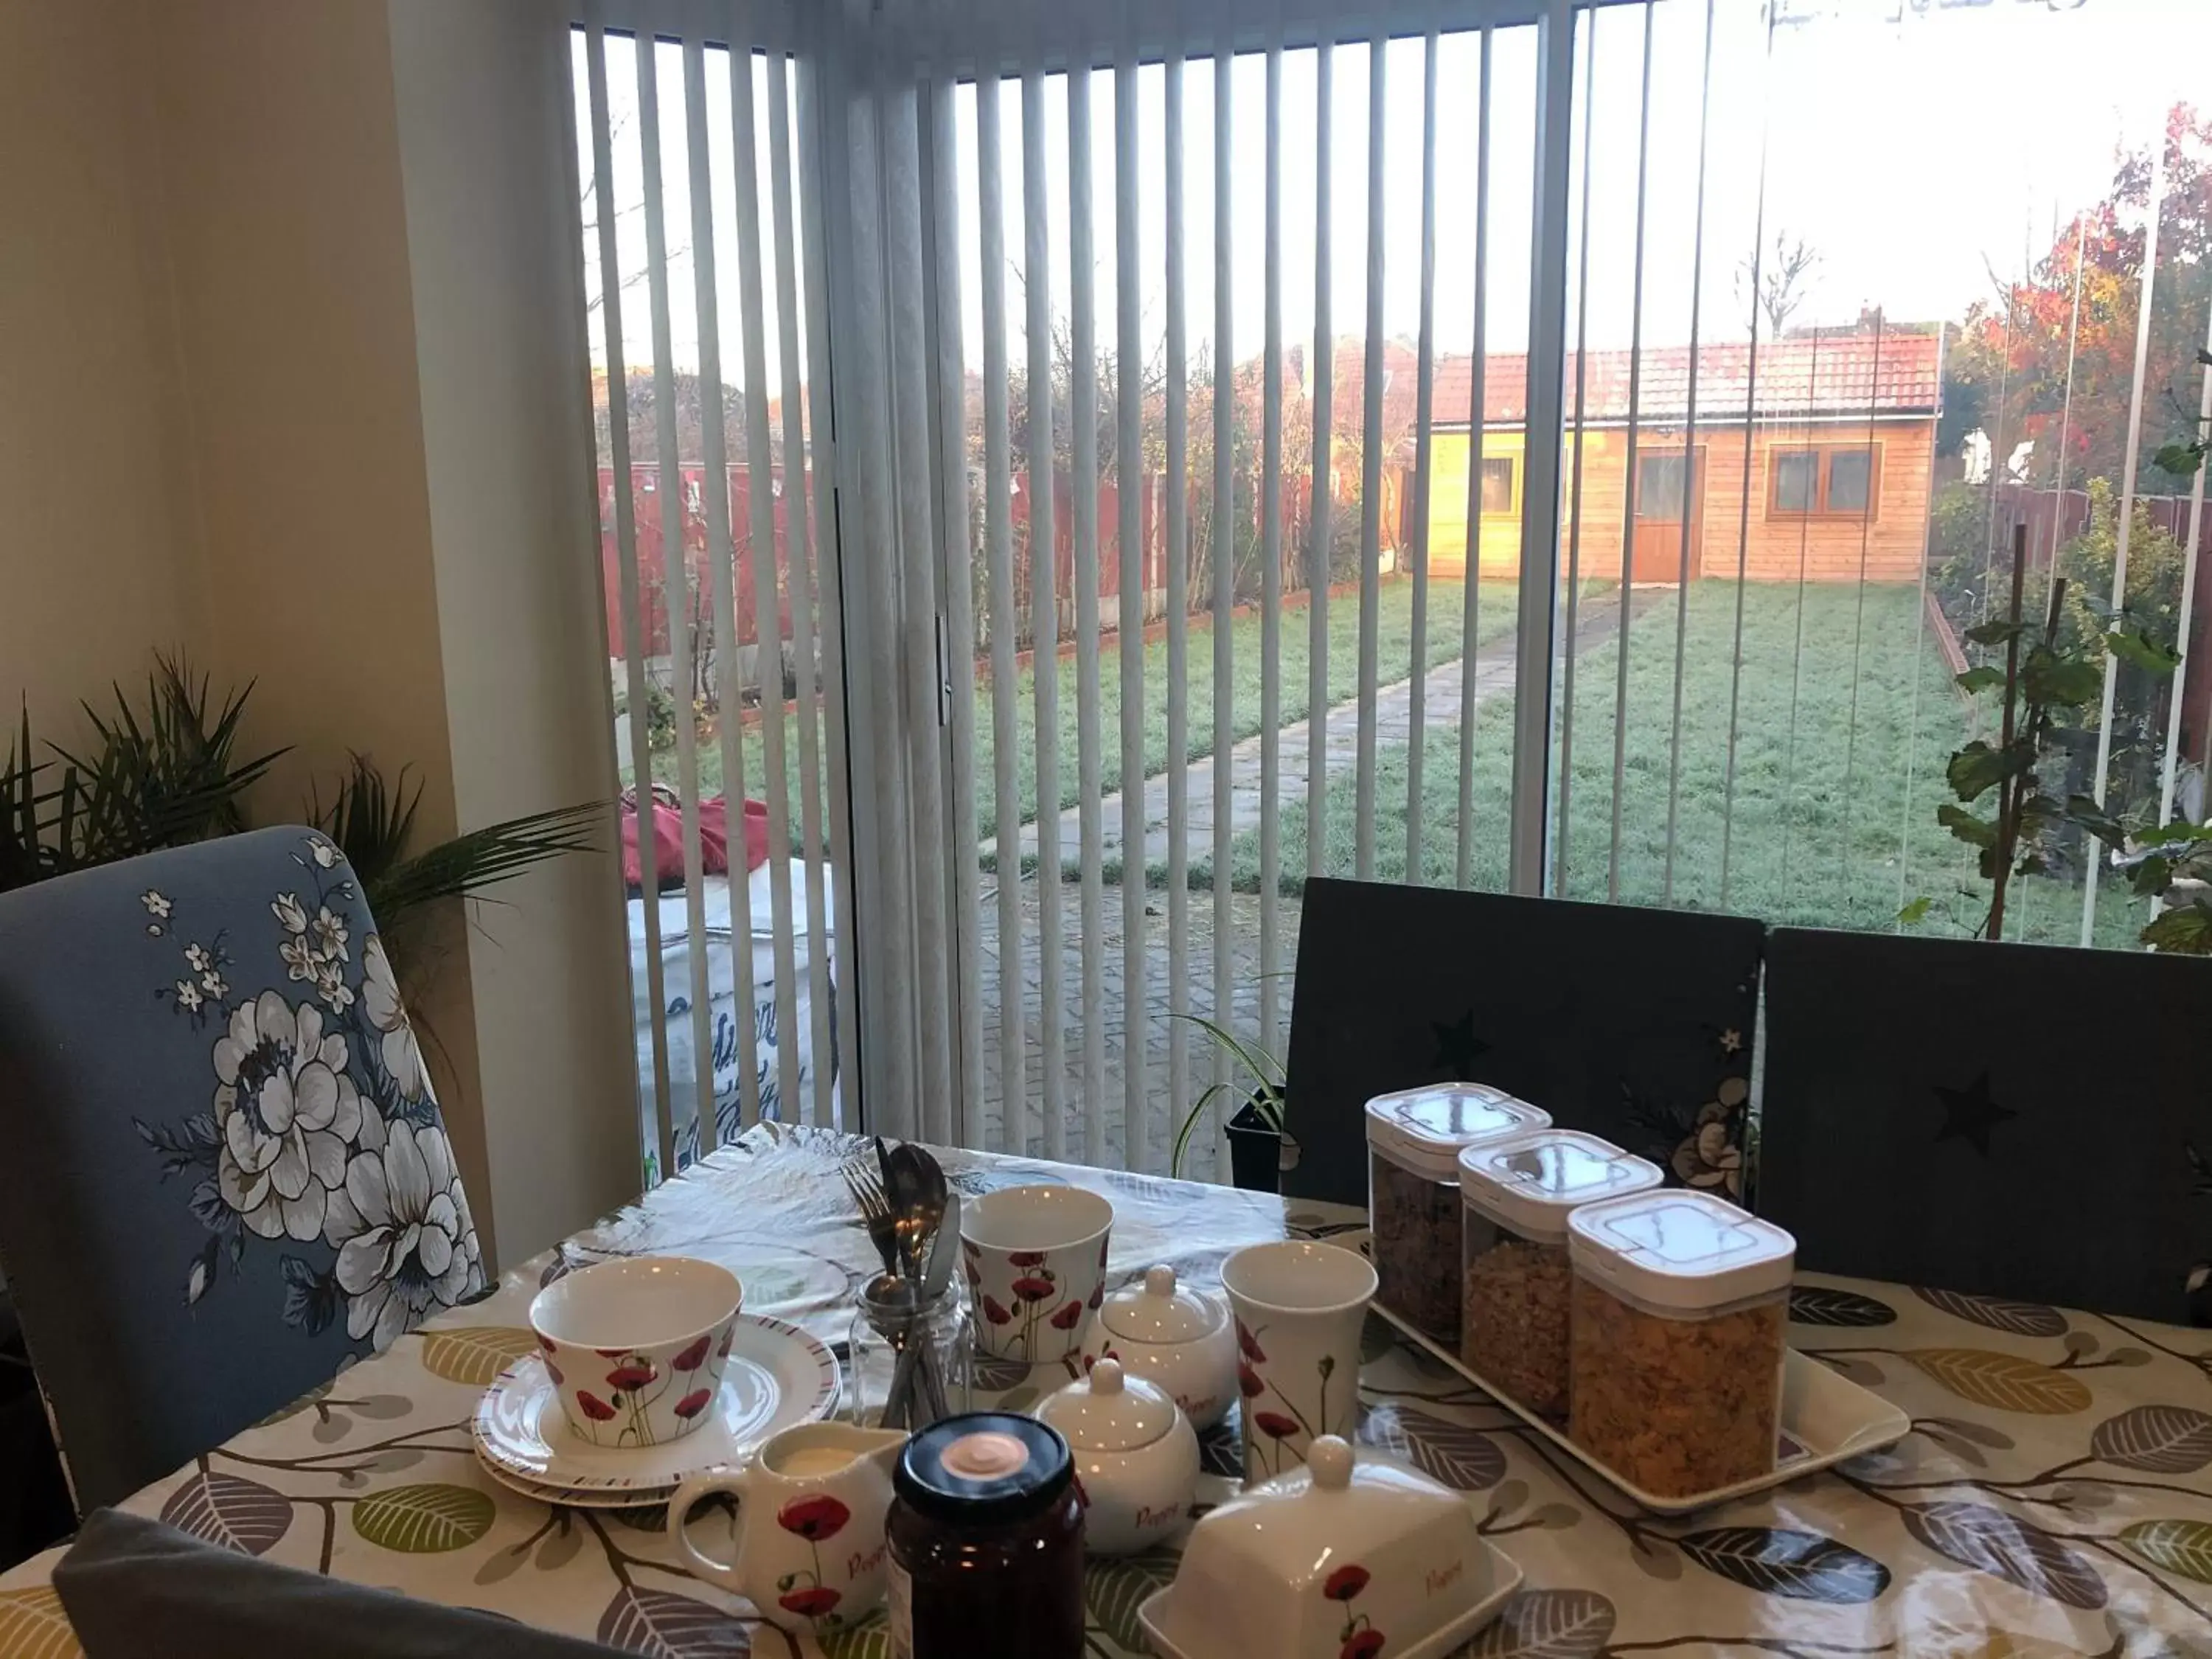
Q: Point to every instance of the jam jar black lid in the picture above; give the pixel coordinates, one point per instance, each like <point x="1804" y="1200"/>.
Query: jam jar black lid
<point x="983" y="1467"/>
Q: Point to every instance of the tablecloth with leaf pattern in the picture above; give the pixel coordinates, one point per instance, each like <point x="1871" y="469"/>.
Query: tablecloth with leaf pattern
<point x="2053" y="1497"/>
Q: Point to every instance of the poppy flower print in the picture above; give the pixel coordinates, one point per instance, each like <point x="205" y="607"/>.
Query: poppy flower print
<point x="1249" y="1381"/>
<point x="729" y="1335"/>
<point x="1274" y="1424"/>
<point x="1033" y="1287"/>
<point x="629" y="1379"/>
<point x="693" y="1357"/>
<point x="994" y="1313"/>
<point x="594" y="1407"/>
<point x="816" y="1519"/>
<point x="693" y="1403"/>
<point x="1358" y="1639"/>
<point x="1066" y="1318"/>
<point x="1027" y="1258"/>
<point x="554" y="1371"/>
<point x="1250" y="1345"/>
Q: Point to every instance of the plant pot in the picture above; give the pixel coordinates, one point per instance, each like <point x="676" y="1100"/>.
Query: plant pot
<point x="1258" y="1154"/>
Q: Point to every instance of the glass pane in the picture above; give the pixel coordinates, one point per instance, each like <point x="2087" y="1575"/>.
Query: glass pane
<point x="1796" y="481"/>
<point x="1659" y="486"/>
<point x="1498" y="484"/>
<point x="1850" y="473"/>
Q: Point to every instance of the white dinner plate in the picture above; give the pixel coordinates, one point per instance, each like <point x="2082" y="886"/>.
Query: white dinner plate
<point x="777" y="1375"/>
<point x="644" y="1497"/>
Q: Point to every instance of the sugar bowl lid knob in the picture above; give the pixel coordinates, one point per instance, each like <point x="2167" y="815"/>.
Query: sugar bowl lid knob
<point x="1160" y="1281"/>
<point x="1106" y="1377"/>
<point x="1330" y="1459"/>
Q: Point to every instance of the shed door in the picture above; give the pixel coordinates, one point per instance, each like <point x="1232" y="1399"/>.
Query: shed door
<point x="1658" y="557"/>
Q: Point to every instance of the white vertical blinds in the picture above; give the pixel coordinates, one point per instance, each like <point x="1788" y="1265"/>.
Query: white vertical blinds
<point x="1038" y="440"/>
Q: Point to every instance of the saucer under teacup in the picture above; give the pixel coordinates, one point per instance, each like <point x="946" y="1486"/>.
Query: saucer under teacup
<point x="776" y="1375"/>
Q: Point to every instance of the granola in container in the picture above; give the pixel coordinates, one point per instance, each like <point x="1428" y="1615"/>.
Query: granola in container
<point x="1414" y="1139"/>
<point x="1517" y="1280"/>
<point x="1676" y="1333"/>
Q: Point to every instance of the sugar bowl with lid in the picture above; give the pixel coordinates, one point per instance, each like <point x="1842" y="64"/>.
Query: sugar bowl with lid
<point x="1173" y="1335"/>
<point x="1136" y="1457"/>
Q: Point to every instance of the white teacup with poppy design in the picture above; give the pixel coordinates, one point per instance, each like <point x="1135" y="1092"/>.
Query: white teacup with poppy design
<point x="1299" y="1307"/>
<point x="1035" y="1259"/>
<point x="635" y="1347"/>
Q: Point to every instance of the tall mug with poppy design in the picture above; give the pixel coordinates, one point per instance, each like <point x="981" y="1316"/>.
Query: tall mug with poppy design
<point x="810" y="1535"/>
<point x="1035" y="1262"/>
<point x="635" y="1347"/>
<point x="1299" y="1307"/>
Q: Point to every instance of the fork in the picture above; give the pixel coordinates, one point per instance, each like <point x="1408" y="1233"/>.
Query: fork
<point x="875" y="1212"/>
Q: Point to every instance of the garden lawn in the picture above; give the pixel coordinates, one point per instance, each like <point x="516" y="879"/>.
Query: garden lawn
<point x="1847" y="716"/>
<point x="1394" y="631"/>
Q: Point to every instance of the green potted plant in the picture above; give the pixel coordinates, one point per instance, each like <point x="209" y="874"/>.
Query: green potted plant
<point x="1261" y="1146"/>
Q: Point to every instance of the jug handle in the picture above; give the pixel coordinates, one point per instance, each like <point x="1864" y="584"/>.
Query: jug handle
<point x="732" y="1479"/>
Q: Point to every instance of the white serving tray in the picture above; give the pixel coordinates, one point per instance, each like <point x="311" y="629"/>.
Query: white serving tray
<point x="1156" y="1615"/>
<point x="1825" y="1419"/>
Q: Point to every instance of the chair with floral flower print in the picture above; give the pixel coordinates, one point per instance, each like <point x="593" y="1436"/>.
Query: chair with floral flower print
<point x="227" y="1174"/>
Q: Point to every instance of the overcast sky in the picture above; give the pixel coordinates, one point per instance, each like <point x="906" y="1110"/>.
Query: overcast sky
<point x="1913" y="153"/>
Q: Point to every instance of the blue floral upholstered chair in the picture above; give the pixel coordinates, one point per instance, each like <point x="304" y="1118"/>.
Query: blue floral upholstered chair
<point x="226" y="1174"/>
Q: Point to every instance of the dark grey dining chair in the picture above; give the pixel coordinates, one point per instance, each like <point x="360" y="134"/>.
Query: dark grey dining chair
<point x="1636" y="1024"/>
<point x="2023" y="1122"/>
<point x="225" y="1172"/>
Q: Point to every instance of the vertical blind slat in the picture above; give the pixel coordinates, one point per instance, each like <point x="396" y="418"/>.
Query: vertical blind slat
<point x="1370" y="460"/>
<point x="1425" y="391"/>
<point x="908" y="333"/>
<point x="2188" y="594"/>
<point x="1037" y="284"/>
<point x="625" y="511"/>
<point x="1562" y="840"/>
<point x="1130" y="479"/>
<point x="1630" y="492"/>
<point x="1477" y="391"/>
<point x="825" y="453"/>
<point x="721" y="555"/>
<point x="1178" y="558"/>
<point x="1320" y="374"/>
<point x="1692" y="485"/>
<point x="1222" y="551"/>
<point x="999" y="541"/>
<point x="958" y="562"/>
<point x="820" y="999"/>
<point x="767" y="624"/>
<point x="1090" y="765"/>
<point x="2130" y="460"/>
<point x="1271" y="577"/>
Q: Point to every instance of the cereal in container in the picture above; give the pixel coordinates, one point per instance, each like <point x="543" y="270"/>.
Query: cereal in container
<point x="1676" y="1333"/>
<point x="1414" y="1139"/>
<point x="1517" y="1282"/>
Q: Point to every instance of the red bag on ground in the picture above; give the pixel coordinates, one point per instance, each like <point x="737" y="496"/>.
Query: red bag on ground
<point x="668" y="838"/>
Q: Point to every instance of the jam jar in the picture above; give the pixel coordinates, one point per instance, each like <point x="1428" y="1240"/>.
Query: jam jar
<point x="986" y="1542"/>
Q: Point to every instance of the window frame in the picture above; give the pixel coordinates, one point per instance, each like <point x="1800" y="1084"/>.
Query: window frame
<point x="1824" y="466"/>
<point x="1512" y="465"/>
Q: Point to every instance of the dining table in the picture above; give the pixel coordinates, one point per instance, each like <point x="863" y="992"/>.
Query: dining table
<point x="2052" y="1497"/>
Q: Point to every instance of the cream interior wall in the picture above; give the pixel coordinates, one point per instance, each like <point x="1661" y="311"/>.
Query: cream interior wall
<point x="266" y="403"/>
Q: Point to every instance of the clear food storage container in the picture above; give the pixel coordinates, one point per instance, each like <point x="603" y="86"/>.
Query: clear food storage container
<point x="1516" y="1284"/>
<point x="1680" y="1299"/>
<point x="1414" y="1139"/>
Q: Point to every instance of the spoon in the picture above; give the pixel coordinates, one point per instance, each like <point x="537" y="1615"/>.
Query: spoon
<point x="917" y="1190"/>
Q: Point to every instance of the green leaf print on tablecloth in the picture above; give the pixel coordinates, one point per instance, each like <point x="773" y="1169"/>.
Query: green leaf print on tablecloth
<point x="224" y="1509"/>
<point x="869" y="1639"/>
<point x="1547" y="1624"/>
<point x="2182" y="1546"/>
<point x="2007" y="1547"/>
<point x="1781" y="1561"/>
<point x="2001" y="1381"/>
<point x="424" y="1520"/>
<point x="1998" y="1313"/>
<point x="2156" y="1439"/>
<point x="474" y="1354"/>
<point x="1112" y="1590"/>
<point x="1822" y="1305"/>
<point x="672" y="1627"/>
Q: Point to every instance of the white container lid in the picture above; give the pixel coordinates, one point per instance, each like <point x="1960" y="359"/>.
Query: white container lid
<point x="1677" y="1251"/>
<point x="1532" y="1182"/>
<point x="1157" y="1311"/>
<point x="1424" y="1129"/>
<point x="1111" y="1412"/>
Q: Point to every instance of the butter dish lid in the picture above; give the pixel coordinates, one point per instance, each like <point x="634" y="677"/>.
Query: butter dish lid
<point x="1109" y="1411"/>
<point x="1424" y="1129"/>
<point x="1158" y="1309"/>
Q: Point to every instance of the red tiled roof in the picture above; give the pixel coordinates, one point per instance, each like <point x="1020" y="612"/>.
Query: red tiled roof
<point x="1843" y="372"/>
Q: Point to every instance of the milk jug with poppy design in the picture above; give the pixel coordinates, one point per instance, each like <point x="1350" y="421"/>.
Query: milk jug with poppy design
<point x="812" y="1504"/>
